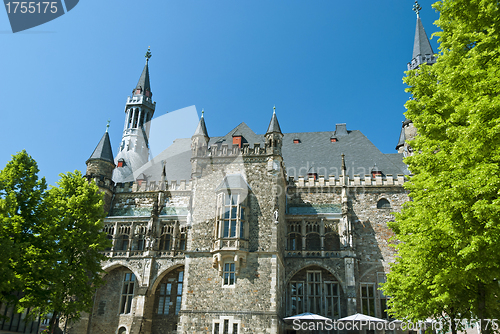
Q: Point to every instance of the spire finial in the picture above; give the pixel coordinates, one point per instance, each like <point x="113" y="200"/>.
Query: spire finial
<point x="202" y="112"/>
<point x="274" y="109"/>
<point x="148" y="54"/>
<point x="417" y="8"/>
<point x="107" y="125"/>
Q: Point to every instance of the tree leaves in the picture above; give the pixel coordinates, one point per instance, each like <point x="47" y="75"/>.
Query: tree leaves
<point x="449" y="233"/>
<point x="51" y="240"/>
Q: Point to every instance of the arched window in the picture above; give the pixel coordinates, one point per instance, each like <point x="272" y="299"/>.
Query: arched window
<point x="122" y="330"/>
<point x="165" y="242"/>
<point x="169" y="293"/>
<point x="127" y="293"/>
<point x="383" y="204"/>
<point x="332" y="242"/>
<point x="314" y="290"/>
<point x="122" y="243"/>
<point x="295" y="241"/>
<point x="313" y="242"/>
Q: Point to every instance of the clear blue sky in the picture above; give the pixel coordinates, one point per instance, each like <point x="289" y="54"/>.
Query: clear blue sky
<point x="321" y="62"/>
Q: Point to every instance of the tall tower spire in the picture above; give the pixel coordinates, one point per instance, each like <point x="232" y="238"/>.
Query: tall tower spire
<point x="139" y="110"/>
<point x="422" y="49"/>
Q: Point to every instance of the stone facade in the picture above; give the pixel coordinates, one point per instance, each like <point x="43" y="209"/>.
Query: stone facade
<point x="194" y="271"/>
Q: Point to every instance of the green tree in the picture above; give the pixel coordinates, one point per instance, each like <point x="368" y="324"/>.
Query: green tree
<point x="449" y="234"/>
<point x="73" y="263"/>
<point x="50" y="241"/>
<point x="21" y="218"/>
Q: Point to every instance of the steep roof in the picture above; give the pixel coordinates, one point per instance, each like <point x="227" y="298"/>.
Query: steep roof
<point x="103" y="150"/>
<point x="143" y="83"/>
<point x="201" y="129"/>
<point x="315" y="153"/>
<point x="274" y="126"/>
<point x="421" y="44"/>
<point x="402" y="138"/>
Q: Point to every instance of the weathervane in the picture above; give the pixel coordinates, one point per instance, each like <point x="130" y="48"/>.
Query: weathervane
<point x="417" y="8"/>
<point x="107" y="125"/>
<point x="148" y="54"/>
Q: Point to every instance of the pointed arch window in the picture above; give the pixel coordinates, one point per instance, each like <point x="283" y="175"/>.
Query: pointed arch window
<point x="314" y="290"/>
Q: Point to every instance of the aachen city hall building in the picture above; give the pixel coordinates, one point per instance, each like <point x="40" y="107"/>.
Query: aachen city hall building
<point x="233" y="233"/>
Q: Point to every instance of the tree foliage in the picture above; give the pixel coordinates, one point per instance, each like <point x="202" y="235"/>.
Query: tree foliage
<point x="53" y="238"/>
<point x="449" y="234"/>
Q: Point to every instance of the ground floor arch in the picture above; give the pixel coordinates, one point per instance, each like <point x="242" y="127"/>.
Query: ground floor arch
<point x="315" y="289"/>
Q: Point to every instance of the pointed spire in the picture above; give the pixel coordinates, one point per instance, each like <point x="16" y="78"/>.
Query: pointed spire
<point x="103" y="150"/>
<point x="402" y="137"/>
<point x="274" y="126"/>
<point x="143" y="85"/>
<point x="163" y="176"/>
<point x="421" y="44"/>
<point x="201" y="130"/>
<point x="422" y="49"/>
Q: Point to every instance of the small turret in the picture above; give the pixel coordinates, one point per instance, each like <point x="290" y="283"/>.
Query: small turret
<point x="199" y="146"/>
<point x="274" y="136"/>
<point x="100" y="168"/>
<point x="200" y="138"/>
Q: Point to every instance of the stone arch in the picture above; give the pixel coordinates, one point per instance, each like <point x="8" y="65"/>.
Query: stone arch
<point x="162" y="273"/>
<point x="370" y="270"/>
<point x="319" y="264"/>
<point x="122" y="330"/>
<point x="116" y="264"/>
<point x="383" y="203"/>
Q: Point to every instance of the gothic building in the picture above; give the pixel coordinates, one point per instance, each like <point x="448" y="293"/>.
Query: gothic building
<point x="233" y="233"/>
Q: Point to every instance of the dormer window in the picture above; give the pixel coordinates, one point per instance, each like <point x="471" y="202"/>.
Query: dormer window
<point x="296" y="140"/>
<point x="333" y="139"/>
<point x="121" y="163"/>
<point x="237" y="140"/>
<point x="375" y="171"/>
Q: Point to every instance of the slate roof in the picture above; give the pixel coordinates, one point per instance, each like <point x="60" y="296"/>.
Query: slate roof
<point x="103" y="150"/>
<point x="201" y="129"/>
<point x="421" y="44"/>
<point x="144" y="80"/>
<point x="317" y="154"/>
<point x="402" y="138"/>
<point x="314" y="154"/>
<point x="274" y="126"/>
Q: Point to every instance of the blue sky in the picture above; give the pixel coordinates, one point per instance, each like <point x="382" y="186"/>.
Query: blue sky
<point x="321" y="62"/>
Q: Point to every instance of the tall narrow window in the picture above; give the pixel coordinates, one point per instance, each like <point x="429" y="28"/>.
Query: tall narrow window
<point x="180" y="280"/>
<point x="226" y="326"/>
<point x="127" y="293"/>
<point x="314" y="291"/>
<point x="295" y="241"/>
<point x="169" y="293"/>
<point x="296" y="297"/>
<point x="231" y="217"/>
<point x="122" y="243"/>
<point x="381" y="278"/>
<point x="368" y="299"/>
<point x="165" y="242"/>
<point x="332" y="299"/>
<point x="182" y="241"/>
<point x="229" y="273"/>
